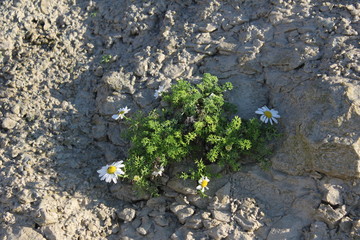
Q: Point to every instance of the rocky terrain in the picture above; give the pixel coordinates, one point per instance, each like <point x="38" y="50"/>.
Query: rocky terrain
<point x="67" y="66"/>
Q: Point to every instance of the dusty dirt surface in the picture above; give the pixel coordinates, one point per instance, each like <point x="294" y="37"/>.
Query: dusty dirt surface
<point x="67" y="66"/>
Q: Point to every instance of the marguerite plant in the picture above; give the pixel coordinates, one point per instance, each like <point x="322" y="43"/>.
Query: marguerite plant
<point x="195" y="128"/>
<point x="158" y="171"/>
<point x="111" y="172"/>
<point x="159" y="92"/>
<point x="268" y="115"/>
<point x="203" y="182"/>
<point x="121" y="113"/>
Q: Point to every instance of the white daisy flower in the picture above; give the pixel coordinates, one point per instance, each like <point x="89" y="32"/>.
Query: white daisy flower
<point x="111" y="172"/>
<point x="203" y="182"/>
<point x="159" y="92"/>
<point x="158" y="171"/>
<point x="267" y="114"/>
<point x="121" y="114"/>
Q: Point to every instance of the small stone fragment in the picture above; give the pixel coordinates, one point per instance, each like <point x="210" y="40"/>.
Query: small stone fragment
<point x="210" y="27"/>
<point x="219" y="232"/>
<point x="181" y="186"/>
<point x="194" y="222"/>
<point x="45" y="217"/>
<point x="210" y="223"/>
<point x="182" y="211"/>
<point x="329" y="215"/>
<point x="221" y="215"/>
<point x="127" y="214"/>
<point x="145" y="226"/>
<point x="8" y="123"/>
<point x="355" y="231"/>
<point x="247" y="223"/>
<point x="161" y="220"/>
<point x="318" y="230"/>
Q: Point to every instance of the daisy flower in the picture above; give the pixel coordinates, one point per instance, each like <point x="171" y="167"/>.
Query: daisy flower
<point x="111" y="172"/>
<point x="159" y="92"/>
<point x="203" y="182"/>
<point x="121" y="114"/>
<point x="158" y="171"/>
<point x="267" y="114"/>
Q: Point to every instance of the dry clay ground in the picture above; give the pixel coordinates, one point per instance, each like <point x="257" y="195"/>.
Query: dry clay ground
<point x="57" y="97"/>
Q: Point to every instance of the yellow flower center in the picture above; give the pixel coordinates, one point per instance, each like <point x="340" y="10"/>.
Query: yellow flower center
<point x="122" y="112"/>
<point x="204" y="183"/>
<point x="268" y="114"/>
<point x="111" y="170"/>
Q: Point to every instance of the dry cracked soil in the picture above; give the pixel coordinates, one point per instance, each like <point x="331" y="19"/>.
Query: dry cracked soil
<point x="66" y="66"/>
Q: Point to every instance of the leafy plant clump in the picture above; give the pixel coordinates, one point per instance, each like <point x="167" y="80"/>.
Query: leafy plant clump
<point x="195" y="127"/>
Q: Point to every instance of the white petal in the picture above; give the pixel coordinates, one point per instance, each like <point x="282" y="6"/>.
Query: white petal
<point x="263" y="118"/>
<point x="271" y="121"/>
<point x="109" y="177"/>
<point x="266" y="120"/>
<point x="259" y="112"/>
<point x="276" y="121"/>
<point x="198" y="187"/>
<point x="276" y="115"/>
<point x="115" y="116"/>
<point x="114" y="179"/>
<point x="119" y="164"/>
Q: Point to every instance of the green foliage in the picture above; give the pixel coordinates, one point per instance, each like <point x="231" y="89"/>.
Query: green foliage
<point x="106" y="58"/>
<point x="195" y="127"/>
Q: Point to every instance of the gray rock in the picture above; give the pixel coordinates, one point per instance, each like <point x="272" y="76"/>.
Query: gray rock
<point x="25" y="233"/>
<point x="127" y="214"/>
<point x="99" y="71"/>
<point x="182" y="211"/>
<point x="46" y="216"/>
<point x="223" y="194"/>
<point x="288" y="227"/>
<point x="329" y="215"/>
<point x="318" y="231"/>
<point x="210" y="223"/>
<point x="141" y="67"/>
<point x="99" y="131"/>
<point x="182" y="233"/>
<point x="247" y="223"/>
<point x="174" y="71"/>
<point x="198" y="201"/>
<point x="161" y="220"/>
<point x="53" y="232"/>
<point x="145" y="226"/>
<point x="219" y="232"/>
<point x="355" y="231"/>
<point x="182" y="186"/>
<point x="119" y="81"/>
<point x="332" y="193"/>
<point x="144" y="98"/>
<point x="324" y="146"/>
<point x="156" y="202"/>
<point x="222" y="215"/>
<point x="241" y="235"/>
<point x="210" y="27"/>
<point x="194" y="222"/>
<point x="346" y="224"/>
<point x="8" y="123"/>
<point x="126" y="192"/>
